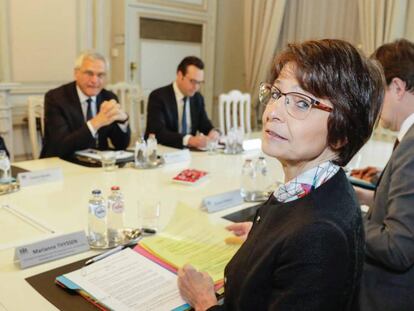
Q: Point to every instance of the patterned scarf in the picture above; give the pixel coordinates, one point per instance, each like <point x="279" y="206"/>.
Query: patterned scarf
<point x="306" y="182"/>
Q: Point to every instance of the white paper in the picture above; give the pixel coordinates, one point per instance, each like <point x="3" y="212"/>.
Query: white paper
<point x="95" y="154"/>
<point x="129" y="281"/>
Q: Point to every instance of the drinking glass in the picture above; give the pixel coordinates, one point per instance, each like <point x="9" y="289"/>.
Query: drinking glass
<point x="108" y="160"/>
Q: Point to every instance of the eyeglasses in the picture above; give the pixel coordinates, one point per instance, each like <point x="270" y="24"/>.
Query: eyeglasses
<point x="298" y="105"/>
<point x="91" y="74"/>
<point x="194" y="81"/>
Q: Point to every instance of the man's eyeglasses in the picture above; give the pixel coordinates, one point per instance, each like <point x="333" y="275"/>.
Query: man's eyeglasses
<point x="91" y="74"/>
<point x="194" y="81"/>
<point x="298" y="105"/>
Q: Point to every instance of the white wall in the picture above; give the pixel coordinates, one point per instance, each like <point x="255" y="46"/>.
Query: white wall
<point x="43" y="40"/>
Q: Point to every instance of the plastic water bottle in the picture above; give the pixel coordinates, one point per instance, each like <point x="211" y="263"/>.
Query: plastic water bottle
<point x="97" y="220"/>
<point x="152" y="145"/>
<point x="248" y="179"/>
<point x="140" y="152"/>
<point x="115" y="217"/>
<point x="5" y="176"/>
<point x="261" y="176"/>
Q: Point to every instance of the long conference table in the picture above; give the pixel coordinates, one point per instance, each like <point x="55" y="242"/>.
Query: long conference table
<point x="61" y="207"/>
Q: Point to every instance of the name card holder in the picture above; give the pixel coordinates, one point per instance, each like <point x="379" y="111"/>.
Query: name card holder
<point x="177" y="156"/>
<point x="51" y="249"/>
<point x="222" y="201"/>
<point x="40" y="177"/>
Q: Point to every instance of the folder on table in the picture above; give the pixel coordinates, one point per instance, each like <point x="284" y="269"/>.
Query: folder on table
<point x="125" y="281"/>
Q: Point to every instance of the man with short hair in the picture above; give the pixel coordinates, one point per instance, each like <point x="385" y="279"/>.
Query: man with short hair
<point x="82" y="114"/>
<point x="388" y="276"/>
<point x="176" y="111"/>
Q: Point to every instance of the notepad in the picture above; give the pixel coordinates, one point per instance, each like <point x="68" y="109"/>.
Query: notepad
<point x="191" y="238"/>
<point x="126" y="281"/>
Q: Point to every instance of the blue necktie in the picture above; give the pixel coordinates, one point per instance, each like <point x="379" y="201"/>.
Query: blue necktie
<point x="184" y="118"/>
<point x="89" y="109"/>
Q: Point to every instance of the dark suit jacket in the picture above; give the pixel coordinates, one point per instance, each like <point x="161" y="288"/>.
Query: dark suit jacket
<point x="388" y="277"/>
<point x="65" y="127"/>
<point x="3" y="146"/>
<point x="162" y="117"/>
<point x="305" y="254"/>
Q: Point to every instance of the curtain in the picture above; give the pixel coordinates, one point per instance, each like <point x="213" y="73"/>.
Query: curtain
<point x="262" y="24"/>
<point x="383" y="21"/>
<point x="319" y="19"/>
<point x="4" y="65"/>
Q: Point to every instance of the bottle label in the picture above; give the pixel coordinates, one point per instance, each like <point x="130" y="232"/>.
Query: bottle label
<point x="117" y="207"/>
<point x="98" y="210"/>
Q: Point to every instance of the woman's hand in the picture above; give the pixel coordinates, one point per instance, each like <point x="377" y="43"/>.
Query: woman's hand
<point x="197" y="288"/>
<point x="241" y="229"/>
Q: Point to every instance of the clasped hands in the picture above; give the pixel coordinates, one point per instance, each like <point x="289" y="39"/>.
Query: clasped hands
<point x="109" y="112"/>
<point x="197" y="288"/>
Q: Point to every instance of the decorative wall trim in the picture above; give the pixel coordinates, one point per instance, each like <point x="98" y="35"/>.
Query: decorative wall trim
<point x="4" y="41"/>
<point x="204" y="15"/>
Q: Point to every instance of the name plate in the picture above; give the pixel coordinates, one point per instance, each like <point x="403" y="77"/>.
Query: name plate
<point x="40" y="177"/>
<point x="177" y="156"/>
<point x="51" y="249"/>
<point x="222" y="201"/>
<point x="252" y="144"/>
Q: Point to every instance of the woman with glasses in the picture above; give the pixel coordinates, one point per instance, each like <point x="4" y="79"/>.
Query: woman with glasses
<point x="305" y="248"/>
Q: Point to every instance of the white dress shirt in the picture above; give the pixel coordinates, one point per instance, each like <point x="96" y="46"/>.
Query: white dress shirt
<point x="405" y="126"/>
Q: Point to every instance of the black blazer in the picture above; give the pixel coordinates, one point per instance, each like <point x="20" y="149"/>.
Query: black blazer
<point x="65" y="127"/>
<point x="162" y="117"/>
<point x="305" y="254"/>
<point x="3" y="146"/>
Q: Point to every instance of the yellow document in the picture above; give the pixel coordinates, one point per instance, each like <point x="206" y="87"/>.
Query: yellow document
<point x="191" y="238"/>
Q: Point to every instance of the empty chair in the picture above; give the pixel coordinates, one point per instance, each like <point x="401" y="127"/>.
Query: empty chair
<point x="134" y="103"/>
<point x="36" y="123"/>
<point x="234" y="111"/>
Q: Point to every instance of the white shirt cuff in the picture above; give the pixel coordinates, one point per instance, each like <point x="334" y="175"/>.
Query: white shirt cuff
<point x="186" y="138"/>
<point x="91" y="129"/>
<point x="123" y="126"/>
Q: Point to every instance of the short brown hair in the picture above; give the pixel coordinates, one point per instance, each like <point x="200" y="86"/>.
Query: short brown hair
<point x="335" y="70"/>
<point x="397" y="60"/>
<point x="190" y="60"/>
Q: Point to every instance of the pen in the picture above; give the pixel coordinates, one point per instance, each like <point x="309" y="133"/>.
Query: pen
<point x="105" y="254"/>
<point x="148" y="231"/>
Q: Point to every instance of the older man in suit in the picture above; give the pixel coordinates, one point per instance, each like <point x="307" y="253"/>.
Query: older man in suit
<point x="176" y="112"/>
<point x="388" y="276"/>
<point x="82" y="114"/>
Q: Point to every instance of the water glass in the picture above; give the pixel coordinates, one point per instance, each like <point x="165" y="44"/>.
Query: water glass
<point x="108" y="160"/>
<point x="149" y="214"/>
<point x="5" y="176"/>
<point x="212" y="145"/>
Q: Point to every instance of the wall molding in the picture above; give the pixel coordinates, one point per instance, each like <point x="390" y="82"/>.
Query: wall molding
<point x="204" y="15"/>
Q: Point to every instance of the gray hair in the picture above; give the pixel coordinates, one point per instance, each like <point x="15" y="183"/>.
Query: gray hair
<point x="90" y="54"/>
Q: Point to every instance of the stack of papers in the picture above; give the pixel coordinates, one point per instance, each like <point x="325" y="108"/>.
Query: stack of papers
<point x="120" y="155"/>
<point x="191" y="238"/>
<point x="145" y="278"/>
<point x="125" y="281"/>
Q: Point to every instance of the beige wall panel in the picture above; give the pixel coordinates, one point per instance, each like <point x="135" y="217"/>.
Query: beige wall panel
<point x="43" y="39"/>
